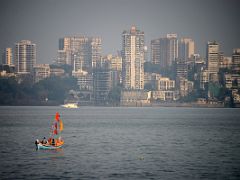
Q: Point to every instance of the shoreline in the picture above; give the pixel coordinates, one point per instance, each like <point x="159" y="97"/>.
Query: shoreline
<point x="180" y="105"/>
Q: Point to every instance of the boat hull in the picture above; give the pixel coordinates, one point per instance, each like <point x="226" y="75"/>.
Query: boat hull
<point x="46" y="146"/>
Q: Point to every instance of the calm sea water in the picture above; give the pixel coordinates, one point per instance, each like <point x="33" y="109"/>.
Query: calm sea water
<point x="122" y="143"/>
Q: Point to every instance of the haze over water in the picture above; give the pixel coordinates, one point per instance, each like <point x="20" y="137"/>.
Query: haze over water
<point x="122" y="143"/>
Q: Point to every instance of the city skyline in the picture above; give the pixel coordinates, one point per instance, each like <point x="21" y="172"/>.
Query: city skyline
<point x="45" y="22"/>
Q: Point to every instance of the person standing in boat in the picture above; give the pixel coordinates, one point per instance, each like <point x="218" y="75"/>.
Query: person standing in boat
<point x="53" y="142"/>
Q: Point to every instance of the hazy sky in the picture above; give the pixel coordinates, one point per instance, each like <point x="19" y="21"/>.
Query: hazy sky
<point x="45" y="21"/>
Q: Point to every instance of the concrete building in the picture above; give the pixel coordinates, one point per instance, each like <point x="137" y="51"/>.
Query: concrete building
<point x="225" y="62"/>
<point x="40" y="72"/>
<point x="204" y="79"/>
<point x="164" y="83"/>
<point x="236" y="60"/>
<point x="24" y="56"/>
<point x="85" y="83"/>
<point x="84" y="52"/>
<point x="164" y="51"/>
<point x="232" y="80"/>
<point x="146" y="59"/>
<point x="181" y="68"/>
<point x="165" y="95"/>
<point x="62" y="57"/>
<point x="133" y="59"/>
<point x="186" y="48"/>
<point x="57" y="72"/>
<point x="198" y="68"/>
<point x="158" y="82"/>
<point x="115" y="62"/>
<point x="185" y="86"/>
<point x="213" y="60"/>
<point x="135" y="98"/>
<point x="155" y="52"/>
<point x="84" y="80"/>
<point x="7" y="57"/>
<point x="115" y="66"/>
<point x="7" y="71"/>
<point x="101" y="85"/>
<point x="150" y="79"/>
<point x="172" y="50"/>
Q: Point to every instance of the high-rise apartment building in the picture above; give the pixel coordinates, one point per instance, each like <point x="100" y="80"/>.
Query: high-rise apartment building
<point x="213" y="60"/>
<point x="181" y="69"/>
<point x="101" y="85"/>
<point x="186" y="48"/>
<point x="24" y="56"/>
<point x="96" y="52"/>
<point x="7" y="56"/>
<point x="236" y="60"/>
<point x="164" y="51"/>
<point x="172" y="48"/>
<point x="133" y="59"/>
<point x="80" y="51"/>
<point x="155" y="51"/>
<point x="213" y="57"/>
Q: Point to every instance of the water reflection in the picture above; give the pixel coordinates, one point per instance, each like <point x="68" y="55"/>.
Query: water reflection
<point x="50" y="154"/>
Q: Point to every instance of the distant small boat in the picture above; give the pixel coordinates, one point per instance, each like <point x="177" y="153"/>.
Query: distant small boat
<point x="54" y="141"/>
<point x="40" y="145"/>
<point x="70" y="105"/>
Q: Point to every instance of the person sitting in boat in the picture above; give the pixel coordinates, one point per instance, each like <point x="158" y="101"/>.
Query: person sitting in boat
<point x="60" y="139"/>
<point x="44" y="141"/>
<point x="53" y="142"/>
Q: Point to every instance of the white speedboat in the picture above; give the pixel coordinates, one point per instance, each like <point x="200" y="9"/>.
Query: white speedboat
<point x="70" y="105"/>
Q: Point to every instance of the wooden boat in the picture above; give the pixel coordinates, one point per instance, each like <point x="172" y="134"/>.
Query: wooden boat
<point x="41" y="145"/>
<point x="55" y="141"/>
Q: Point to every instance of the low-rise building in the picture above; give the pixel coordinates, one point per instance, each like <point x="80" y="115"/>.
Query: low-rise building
<point x="57" y="72"/>
<point x="185" y="87"/>
<point x="165" y="95"/>
<point x="232" y="80"/>
<point x="164" y="83"/>
<point x="84" y="80"/>
<point x="85" y="84"/>
<point x="225" y="62"/>
<point x="135" y="98"/>
<point x="150" y="79"/>
<point x="40" y="72"/>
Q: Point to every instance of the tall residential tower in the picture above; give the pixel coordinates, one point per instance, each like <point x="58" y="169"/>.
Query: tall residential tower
<point x="133" y="59"/>
<point x="164" y="51"/>
<point x="186" y="48"/>
<point x="24" y="56"/>
<point x="79" y="51"/>
<point x="213" y="60"/>
<point x="7" y="56"/>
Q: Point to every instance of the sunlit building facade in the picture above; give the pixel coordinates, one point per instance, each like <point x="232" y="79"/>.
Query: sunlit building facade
<point x="213" y="60"/>
<point x="186" y="48"/>
<point x="80" y="51"/>
<point x="40" y="72"/>
<point x="24" y="56"/>
<point x="133" y="59"/>
<point x="7" y="56"/>
<point x="164" y="51"/>
<point x="236" y="60"/>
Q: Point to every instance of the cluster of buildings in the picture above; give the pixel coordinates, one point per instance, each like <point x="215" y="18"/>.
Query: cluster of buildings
<point x="181" y="72"/>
